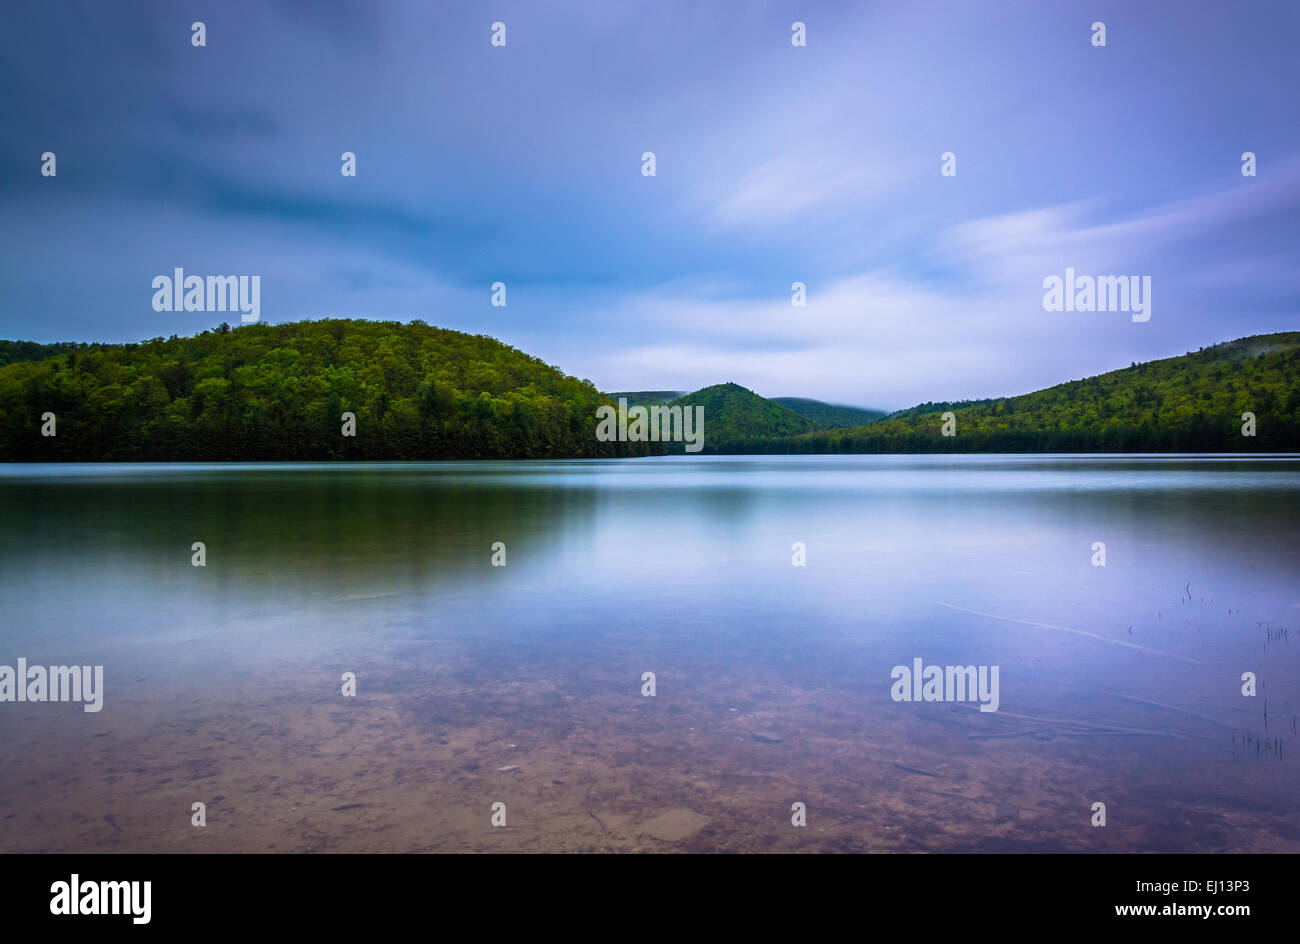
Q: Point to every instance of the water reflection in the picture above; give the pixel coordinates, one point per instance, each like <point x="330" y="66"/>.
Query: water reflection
<point x="682" y="566"/>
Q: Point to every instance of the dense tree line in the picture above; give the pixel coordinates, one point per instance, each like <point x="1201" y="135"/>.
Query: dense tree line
<point x="829" y="415"/>
<point x="418" y="392"/>
<point x="279" y="391"/>
<point x="11" y="351"/>
<point x="1192" y="403"/>
<point x="732" y="412"/>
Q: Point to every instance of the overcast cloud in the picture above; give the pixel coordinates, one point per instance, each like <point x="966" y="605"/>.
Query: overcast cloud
<point x="775" y="164"/>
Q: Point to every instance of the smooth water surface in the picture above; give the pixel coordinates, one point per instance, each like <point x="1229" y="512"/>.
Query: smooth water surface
<point x="1119" y="684"/>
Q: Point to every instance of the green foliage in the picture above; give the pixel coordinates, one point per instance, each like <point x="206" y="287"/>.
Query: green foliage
<point x="1191" y="403"/>
<point x="734" y="415"/>
<point x="828" y="415"/>
<point x="648" y="397"/>
<point x="11" y="351"/>
<point x="278" y="391"/>
<point x="925" y="409"/>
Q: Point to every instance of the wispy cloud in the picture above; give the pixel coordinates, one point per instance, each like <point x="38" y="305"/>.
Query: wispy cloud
<point x="776" y="165"/>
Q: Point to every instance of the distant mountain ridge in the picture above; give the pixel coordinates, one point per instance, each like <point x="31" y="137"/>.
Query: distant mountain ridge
<point x="733" y="413"/>
<point x="829" y="415"/>
<point x="649" y="397"/>
<point x="1194" y="402"/>
<point x="266" y="391"/>
<point x="737" y="416"/>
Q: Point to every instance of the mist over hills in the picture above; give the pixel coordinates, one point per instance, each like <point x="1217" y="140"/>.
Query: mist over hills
<point x="829" y="415"/>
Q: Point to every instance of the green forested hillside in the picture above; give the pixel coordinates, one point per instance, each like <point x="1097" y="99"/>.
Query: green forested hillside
<point x="740" y="416"/>
<point x="924" y="409"/>
<point x="648" y="397"/>
<point x="1193" y="403"/>
<point x="829" y="415"/>
<point x="278" y="391"/>
<point x="733" y="414"/>
<point x="11" y="351"/>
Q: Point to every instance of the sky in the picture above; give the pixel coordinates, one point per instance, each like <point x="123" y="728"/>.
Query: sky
<point x="774" y="164"/>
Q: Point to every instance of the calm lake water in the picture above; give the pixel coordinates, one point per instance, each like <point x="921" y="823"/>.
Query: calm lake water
<point x="522" y="684"/>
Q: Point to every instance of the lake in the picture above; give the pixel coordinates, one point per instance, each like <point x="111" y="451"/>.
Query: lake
<point x="774" y="684"/>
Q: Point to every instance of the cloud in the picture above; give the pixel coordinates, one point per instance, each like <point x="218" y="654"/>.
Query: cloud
<point x="884" y="339"/>
<point x="799" y="181"/>
<point x="776" y="164"/>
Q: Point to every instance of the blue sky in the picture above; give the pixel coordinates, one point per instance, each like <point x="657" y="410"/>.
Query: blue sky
<point x="775" y="164"/>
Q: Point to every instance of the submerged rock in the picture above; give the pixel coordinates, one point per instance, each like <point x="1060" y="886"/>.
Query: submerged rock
<point x="674" y="825"/>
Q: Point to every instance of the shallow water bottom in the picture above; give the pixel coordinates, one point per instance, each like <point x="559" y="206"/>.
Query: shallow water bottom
<point x="584" y="763"/>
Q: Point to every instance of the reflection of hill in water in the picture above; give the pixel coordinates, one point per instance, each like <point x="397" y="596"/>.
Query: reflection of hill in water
<point x="341" y="530"/>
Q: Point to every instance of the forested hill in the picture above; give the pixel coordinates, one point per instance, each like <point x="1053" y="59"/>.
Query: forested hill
<point x="648" y="397"/>
<point x="278" y="392"/>
<point x="829" y="415"/>
<point x="1193" y="403"/>
<point x="733" y="413"/>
